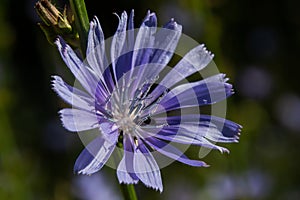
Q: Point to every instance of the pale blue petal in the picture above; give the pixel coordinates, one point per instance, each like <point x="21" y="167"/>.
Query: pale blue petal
<point x="228" y="128"/>
<point x="155" y="55"/>
<point x="71" y="95"/>
<point x="172" y="152"/>
<point x="78" y="120"/>
<point x="108" y="129"/>
<point x="94" y="156"/>
<point x="95" y="53"/>
<point x="96" y="48"/>
<point x="142" y="51"/>
<point x="138" y="53"/>
<point x="195" y="60"/>
<point x="131" y="26"/>
<point x="130" y="32"/>
<point x="118" y="42"/>
<point x="124" y="61"/>
<point x="145" y="40"/>
<point x="146" y="168"/>
<point x="166" y="40"/>
<point x="125" y="170"/>
<point x="188" y="134"/>
<point x="77" y="67"/>
<point x="122" y="173"/>
<point x="204" y="92"/>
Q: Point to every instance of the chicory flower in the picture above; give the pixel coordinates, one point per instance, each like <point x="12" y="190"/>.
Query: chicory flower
<point x="136" y="108"/>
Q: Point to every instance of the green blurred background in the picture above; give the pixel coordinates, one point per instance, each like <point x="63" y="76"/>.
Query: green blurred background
<point x="256" y="43"/>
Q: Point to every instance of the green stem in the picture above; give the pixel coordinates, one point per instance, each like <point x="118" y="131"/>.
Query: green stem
<point x="81" y="22"/>
<point x="128" y="191"/>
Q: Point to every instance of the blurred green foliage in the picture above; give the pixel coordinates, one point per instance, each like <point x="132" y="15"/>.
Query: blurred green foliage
<point x="261" y="37"/>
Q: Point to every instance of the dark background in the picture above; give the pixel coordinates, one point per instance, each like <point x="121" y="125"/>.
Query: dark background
<point x="256" y="43"/>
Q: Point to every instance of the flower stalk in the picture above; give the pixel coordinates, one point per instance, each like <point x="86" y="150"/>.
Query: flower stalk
<point x="128" y="191"/>
<point x="81" y="22"/>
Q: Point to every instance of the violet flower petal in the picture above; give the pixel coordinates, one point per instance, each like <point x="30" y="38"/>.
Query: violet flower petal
<point x="94" y="156"/>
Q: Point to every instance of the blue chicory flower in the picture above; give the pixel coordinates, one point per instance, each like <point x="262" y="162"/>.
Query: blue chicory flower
<point x="129" y="104"/>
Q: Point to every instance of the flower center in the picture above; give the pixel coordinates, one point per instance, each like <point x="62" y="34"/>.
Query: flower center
<point x="127" y="106"/>
<point x="126" y="122"/>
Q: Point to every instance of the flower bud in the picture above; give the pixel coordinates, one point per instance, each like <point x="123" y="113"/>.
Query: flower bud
<point x="54" y="23"/>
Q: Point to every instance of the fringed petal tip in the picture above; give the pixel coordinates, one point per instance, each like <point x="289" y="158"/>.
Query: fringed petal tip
<point x="238" y="133"/>
<point x="209" y="54"/>
<point x="65" y="122"/>
<point x="62" y="46"/>
<point x="173" y="25"/>
<point x="57" y="85"/>
<point x="239" y="130"/>
<point x="229" y="89"/>
<point x="210" y="145"/>
<point x="223" y="150"/>
<point x="95" y="26"/>
<point x="76" y="120"/>
<point x="57" y="41"/>
<point x="54" y="81"/>
<point x="80" y="172"/>
<point x="125" y="178"/>
<point x="123" y="15"/>
<point x="127" y="183"/>
<point x="60" y="43"/>
<point x="94" y="22"/>
<point x="206" y="165"/>
<point x="200" y="164"/>
<point x="232" y="130"/>
<point x="149" y="14"/>
<point x="150" y="20"/>
<point x="160" y="188"/>
<point x="155" y="187"/>
<point x="55" y="77"/>
<point x="223" y="78"/>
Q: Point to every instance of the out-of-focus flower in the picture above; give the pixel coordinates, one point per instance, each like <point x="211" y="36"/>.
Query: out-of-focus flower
<point x="95" y="186"/>
<point x="252" y="184"/>
<point x="255" y="82"/>
<point x="287" y="110"/>
<point x="133" y="108"/>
